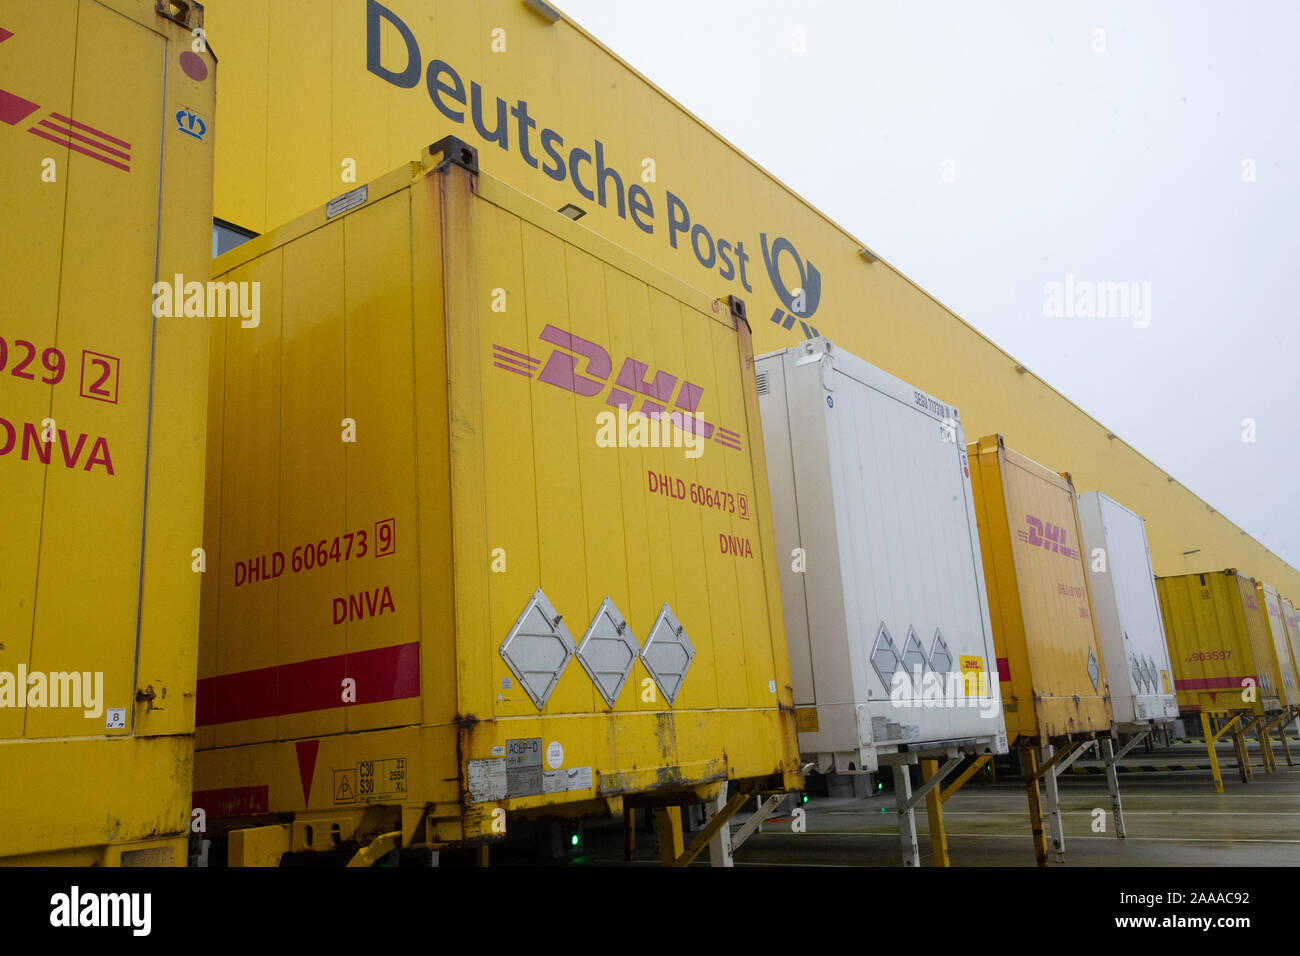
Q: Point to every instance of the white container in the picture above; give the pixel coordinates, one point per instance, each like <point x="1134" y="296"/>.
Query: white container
<point x="1127" y="610"/>
<point x="872" y="498"/>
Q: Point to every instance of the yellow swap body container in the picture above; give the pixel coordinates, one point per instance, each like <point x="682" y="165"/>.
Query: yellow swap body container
<point x="1050" y="660"/>
<point x="449" y="586"/>
<point x="1219" y="643"/>
<point x="1279" y="646"/>
<point x="106" y="116"/>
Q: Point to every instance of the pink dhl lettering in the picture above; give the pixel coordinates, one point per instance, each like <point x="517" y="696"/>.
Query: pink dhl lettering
<point x="1045" y="535"/>
<point x="583" y="367"/>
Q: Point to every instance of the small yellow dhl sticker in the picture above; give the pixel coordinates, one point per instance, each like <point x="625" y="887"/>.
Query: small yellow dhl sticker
<point x="805" y="720"/>
<point x="1164" y="682"/>
<point x="973" y="676"/>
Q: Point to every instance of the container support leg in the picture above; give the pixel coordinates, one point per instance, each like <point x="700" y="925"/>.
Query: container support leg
<point x="1265" y="745"/>
<point x="1112" y="783"/>
<point x="1280" y="724"/>
<point x="629" y="833"/>
<point x="481" y="855"/>
<point x="934" y="809"/>
<point x="670" y="831"/>
<point x="1243" y="755"/>
<point x="1209" y="746"/>
<point x="1029" y="760"/>
<point x="720" y="845"/>
<point x="906" y="815"/>
<point x="1054" y="807"/>
<point x="669" y="820"/>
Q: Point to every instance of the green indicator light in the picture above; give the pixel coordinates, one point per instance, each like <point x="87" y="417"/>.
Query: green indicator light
<point x="573" y="840"/>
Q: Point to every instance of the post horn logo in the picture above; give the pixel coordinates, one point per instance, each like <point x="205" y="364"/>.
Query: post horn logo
<point x="801" y="302"/>
<point x="189" y="123"/>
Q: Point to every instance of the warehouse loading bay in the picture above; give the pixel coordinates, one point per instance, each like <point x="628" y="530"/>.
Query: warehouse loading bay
<point x="1172" y="816"/>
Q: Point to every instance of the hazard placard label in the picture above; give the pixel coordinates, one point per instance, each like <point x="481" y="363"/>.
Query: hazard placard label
<point x="345" y="786"/>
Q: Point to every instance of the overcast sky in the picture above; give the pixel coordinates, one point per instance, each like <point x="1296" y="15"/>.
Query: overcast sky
<point x="987" y="149"/>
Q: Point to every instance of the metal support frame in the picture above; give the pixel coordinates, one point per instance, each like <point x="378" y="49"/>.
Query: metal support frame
<point x="1111" y="758"/>
<point x="1211" y="737"/>
<point x="1053" y="762"/>
<point x="1244" y="765"/>
<point x="1265" y="739"/>
<point x="965" y="775"/>
<point x="747" y="829"/>
<point x="672" y="851"/>
<point x="1029" y="761"/>
<point x="1056" y="828"/>
<point x="1277" y="724"/>
<point x="379" y="848"/>
<point x="934" y="810"/>
<point x="907" y="801"/>
<point x="720" y="845"/>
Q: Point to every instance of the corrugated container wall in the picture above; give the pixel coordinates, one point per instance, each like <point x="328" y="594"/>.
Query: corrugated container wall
<point x="883" y="589"/>
<point x="107" y="163"/>
<point x="1292" y="623"/>
<point x="1219" y="642"/>
<point x="449" y="575"/>
<point x="1127" y="611"/>
<point x="1050" y="657"/>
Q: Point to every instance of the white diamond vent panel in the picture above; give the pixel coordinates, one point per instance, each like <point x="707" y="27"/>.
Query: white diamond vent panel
<point x="538" y="648"/>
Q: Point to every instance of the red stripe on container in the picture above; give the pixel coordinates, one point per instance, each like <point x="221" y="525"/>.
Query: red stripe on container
<point x="233" y="801"/>
<point x="1004" y="669"/>
<point x="1213" y="683"/>
<point x="90" y="129"/>
<point x="80" y="149"/>
<point x="511" y="368"/>
<point x="14" y="109"/>
<point x="85" y="139"/>
<point x="387" y="673"/>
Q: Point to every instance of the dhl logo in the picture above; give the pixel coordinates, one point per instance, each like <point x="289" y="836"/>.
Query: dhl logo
<point x="1045" y="535"/>
<point x="64" y="130"/>
<point x="656" y="394"/>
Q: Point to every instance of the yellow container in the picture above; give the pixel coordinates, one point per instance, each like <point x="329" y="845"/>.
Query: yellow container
<point x="444" y="587"/>
<point x="1280" y="659"/>
<point x="1219" y="643"/>
<point x="1050" y="662"/>
<point x="107" y="161"/>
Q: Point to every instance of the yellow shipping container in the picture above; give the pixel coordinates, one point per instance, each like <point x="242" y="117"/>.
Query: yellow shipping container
<point x="1227" y="667"/>
<point x="1050" y="661"/>
<point x="106" y="113"/>
<point x="452" y="585"/>
<point x="1219" y="643"/>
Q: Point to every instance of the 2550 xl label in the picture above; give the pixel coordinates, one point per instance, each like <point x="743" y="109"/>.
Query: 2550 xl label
<point x="311" y="555"/>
